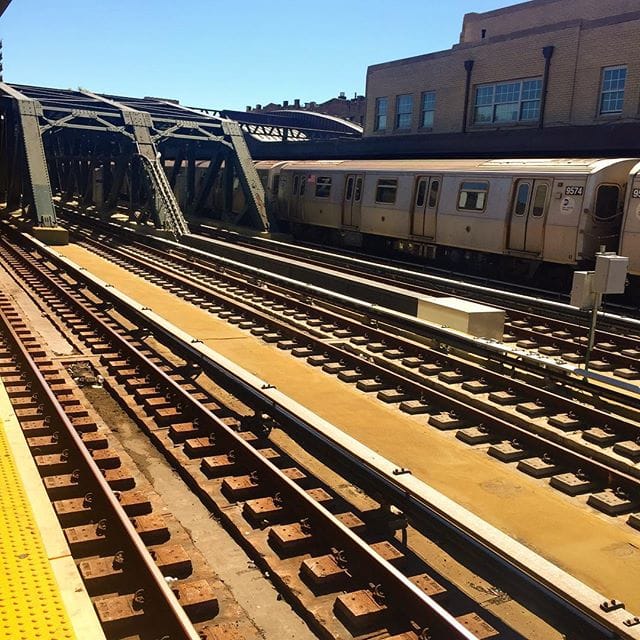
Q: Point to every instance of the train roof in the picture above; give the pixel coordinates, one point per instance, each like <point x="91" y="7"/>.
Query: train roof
<point x="517" y="165"/>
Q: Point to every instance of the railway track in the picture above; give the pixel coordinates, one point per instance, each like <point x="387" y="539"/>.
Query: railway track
<point x="582" y="449"/>
<point x="288" y="509"/>
<point x="528" y="308"/>
<point x="120" y="546"/>
<point x="555" y="341"/>
<point x="189" y="437"/>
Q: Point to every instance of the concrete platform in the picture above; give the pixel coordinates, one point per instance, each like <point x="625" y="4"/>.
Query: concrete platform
<point x="469" y="317"/>
<point x="478" y="482"/>
<point x="41" y="593"/>
<point x="53" y="236"/>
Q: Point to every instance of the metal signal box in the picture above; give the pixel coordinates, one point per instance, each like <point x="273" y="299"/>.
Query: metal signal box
<point x="582" y="295"/>
<point x="610" y="274"/>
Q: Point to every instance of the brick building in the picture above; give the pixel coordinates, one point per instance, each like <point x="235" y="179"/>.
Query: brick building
<point x="352" y="109"/>
<point x="531" y="66"/>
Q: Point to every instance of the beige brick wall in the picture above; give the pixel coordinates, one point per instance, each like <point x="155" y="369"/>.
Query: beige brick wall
<point x="539" y="13"/>
<point x="581" y="50"/>
<point x="607" y="46"/>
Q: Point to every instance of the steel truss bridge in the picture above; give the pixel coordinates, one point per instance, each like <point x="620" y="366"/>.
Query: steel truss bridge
<point x="109" y="154"/>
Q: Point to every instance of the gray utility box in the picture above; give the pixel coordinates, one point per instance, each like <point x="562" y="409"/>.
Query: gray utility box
<point x="611" y="273"/>
<point x="582" y="294"/>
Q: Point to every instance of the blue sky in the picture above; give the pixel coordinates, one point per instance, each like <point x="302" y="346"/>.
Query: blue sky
<point x="223" y="54"/>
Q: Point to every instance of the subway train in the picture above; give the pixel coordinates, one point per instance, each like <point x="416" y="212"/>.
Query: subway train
<point x="526" y="218"/>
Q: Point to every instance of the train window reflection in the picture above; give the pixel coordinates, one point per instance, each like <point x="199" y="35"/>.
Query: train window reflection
<point x="323" y="187"/>
<point x="522" y="197"/>
<point x="349" y="192"/>
<point x="539" y="200"/>
<point x="386" y="191"/>
<point x="433" y="193"/>
<point x="358" y="193"/>
<point x="473" y="196"/>
<point x="422" y="192"/>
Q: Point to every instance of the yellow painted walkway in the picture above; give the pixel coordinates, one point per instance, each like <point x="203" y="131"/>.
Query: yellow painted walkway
<point x="601" y="551"/>
<point x="41" y="594"/>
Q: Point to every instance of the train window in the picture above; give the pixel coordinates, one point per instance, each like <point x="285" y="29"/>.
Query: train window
<point x="323" y="187"/>
<point x="296" y="182"/>
<point x="421" y="193"/>
<point x="303" y="184"/>
<point x="386" y="191"/>
<point x="349" y="191"/>
<point x="276" y="184"/>
<point x="607" y="201"/>
<point x="358" y="192"/>
<point x="539" y="200"/>
<point x="434" y="188"/>
<point x="522" y="198"/>
<point x="473" y="196"/>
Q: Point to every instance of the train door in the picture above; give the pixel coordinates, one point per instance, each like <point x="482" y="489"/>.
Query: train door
<point x="352" y="201"/>
<point x="296" y="202"/>
<point x="425" y="204"/>
<point x="528" y="215"/>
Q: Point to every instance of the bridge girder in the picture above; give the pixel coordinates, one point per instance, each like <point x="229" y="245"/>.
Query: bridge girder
<point x="108" y="153"/>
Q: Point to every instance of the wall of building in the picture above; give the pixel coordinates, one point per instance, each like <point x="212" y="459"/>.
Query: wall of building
<point x="581" y="49"/>
<point x="352" y="109"/>
<point x="539" y="13"/>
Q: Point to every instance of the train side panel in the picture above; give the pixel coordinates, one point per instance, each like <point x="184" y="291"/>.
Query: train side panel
<point x="630" y="235"/>
<point x="471" y="217"/>
<point x="386" y="204"/>
<point x="563" y="218"/>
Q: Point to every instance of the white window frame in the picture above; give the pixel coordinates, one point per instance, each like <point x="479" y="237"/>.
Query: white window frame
<point x="400" y="114"/>
<point x="424" y="111"/>
<point x="379" y="115"/>
<point x="517" y="87"/>
<point x="608" y="91"/>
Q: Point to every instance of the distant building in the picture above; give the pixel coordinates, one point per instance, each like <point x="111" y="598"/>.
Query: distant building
<point x="352" y="109"/>
<point x="538" y="64"/>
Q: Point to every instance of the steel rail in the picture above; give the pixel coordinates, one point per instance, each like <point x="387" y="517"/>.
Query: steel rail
<point x="585" y="603"/>
<point x="539" y="437"/>
<point x="402" y="593"/>
<point x="510" y="354"/>
<point x="337" y="259"/>
<point x="177" y="621"/>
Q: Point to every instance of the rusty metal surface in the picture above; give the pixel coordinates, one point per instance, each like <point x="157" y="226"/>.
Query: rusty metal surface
<point x="585" y="600"/>
<point x="87" y="536"/>
<point x="368" y="565"/>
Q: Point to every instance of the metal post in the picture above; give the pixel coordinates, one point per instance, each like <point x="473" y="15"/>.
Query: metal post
<point x="592" y="330"/>
<point x="547" y="52"/>
<point x="468" y="67"/>
<point x="597" y="303"/>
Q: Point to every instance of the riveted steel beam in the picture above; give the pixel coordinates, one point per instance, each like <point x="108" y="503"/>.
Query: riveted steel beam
<point x="164" y="204"/>
<point x="28" y="153"/>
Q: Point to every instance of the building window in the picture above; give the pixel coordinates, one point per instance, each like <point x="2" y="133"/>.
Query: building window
<point x="404" y="111"/>
<point x="508" y="102"/>
<point x="473" y="196"/>
<point x="323" y="187"/>
<point x="612" y="93"/>
<point x="386" y="191"/>
<point x="428" y="109"/>
<point x="382" y="105"/>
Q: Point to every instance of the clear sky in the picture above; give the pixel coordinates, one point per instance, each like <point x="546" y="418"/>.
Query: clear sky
<point x="222" y="53"/>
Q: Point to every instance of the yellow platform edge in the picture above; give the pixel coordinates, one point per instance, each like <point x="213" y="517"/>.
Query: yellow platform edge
<point x="41" y="592"/>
